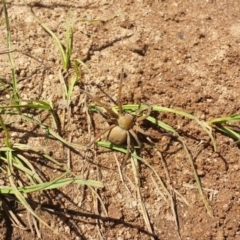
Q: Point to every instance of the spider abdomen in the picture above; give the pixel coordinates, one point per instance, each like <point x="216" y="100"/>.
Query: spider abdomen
<point x="117" y="135"/>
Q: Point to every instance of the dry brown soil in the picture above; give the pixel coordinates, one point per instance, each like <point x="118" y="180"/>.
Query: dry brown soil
<point x="179" y="54"/>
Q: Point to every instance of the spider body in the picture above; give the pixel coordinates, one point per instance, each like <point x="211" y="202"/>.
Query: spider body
<point x="124" y="124"/>
<point x="118" y="134"/>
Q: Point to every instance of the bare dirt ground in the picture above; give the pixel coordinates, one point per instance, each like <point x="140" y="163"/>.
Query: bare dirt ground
<point x="179" y="54"/>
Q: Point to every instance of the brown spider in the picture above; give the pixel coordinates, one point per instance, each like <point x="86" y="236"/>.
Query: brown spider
<point x="123" y="123"/>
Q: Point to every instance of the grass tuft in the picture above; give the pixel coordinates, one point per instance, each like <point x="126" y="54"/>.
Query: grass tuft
<point x="22" y="178"/>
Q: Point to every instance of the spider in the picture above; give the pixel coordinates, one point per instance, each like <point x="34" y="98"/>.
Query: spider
<point x="123" y="124"/>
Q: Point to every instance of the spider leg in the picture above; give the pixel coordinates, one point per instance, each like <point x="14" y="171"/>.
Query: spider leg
<point x="143" y="117"/>
<point x="100" y="103"/>
<point x="120" y="94"/>
<point x="135" y="137"/>
<point x="139" y="129"/>
<point x="99" y="135"/>
<point x="128" y="147"/>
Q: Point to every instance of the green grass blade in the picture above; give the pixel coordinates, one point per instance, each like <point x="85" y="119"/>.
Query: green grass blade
<point x="82" y="64"/>
<point x="63" y="84"/>
<point x="41" y="105"/>
<point x="229" y="119"/>
<point x="13" y="69"/>
<point x="73" y="82"/>
<point x="229" y="132"/>
<point x="69" y="41"/>
<point x="55" y="184"/>
<point x="224" y="125"/>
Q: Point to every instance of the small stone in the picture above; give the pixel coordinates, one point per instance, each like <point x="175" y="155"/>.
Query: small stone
<point x="119" y="196"/>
